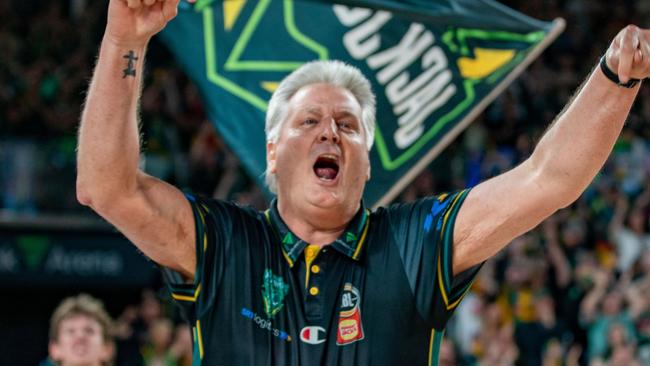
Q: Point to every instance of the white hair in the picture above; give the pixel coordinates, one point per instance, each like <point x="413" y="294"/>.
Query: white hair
<point x="331" y="72"/>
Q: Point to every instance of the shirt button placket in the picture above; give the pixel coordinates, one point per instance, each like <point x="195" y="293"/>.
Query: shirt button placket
<point x="314" y="276"/>
<point x="314" y="281"/>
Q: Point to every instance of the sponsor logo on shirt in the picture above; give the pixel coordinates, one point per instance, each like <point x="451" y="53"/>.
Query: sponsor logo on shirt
<point x="273" y="292"/>
<point x="266" y="324"/>
<point x="350" y="328"/>
<point x="312" y="334"/>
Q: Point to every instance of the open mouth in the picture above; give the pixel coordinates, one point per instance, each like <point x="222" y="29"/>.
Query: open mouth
<point x="327" y="167"/>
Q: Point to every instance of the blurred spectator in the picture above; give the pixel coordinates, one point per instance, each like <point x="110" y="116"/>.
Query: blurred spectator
<point x="127" y="340"/>
<point x="608" y="321"/>
<point x="167" y="346"/>
<point x="628" y="230"/>
<point x="80" y="333"/>
<point x="181" y="348"/>
<point x="157" y="351"/>
<point x="146" y="335"/>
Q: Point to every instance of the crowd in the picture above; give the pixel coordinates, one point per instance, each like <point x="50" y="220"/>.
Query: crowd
<point x="573" y="291"/>
<point x="48" y="52"/>
<point x="143" y="334"/>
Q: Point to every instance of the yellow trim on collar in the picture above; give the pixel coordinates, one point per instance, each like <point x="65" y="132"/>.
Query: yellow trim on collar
<point x="355" y="256"/>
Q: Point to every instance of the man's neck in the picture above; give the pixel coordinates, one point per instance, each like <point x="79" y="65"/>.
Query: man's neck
<point x="316" y="226"/>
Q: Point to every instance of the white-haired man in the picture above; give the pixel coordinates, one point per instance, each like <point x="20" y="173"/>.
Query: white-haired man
<point x="318" y="279"/>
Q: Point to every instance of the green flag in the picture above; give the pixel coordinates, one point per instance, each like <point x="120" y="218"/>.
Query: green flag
<point x="433" y="64"/>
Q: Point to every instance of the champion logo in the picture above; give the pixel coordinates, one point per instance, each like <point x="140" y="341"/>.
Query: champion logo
<point x="312" y="335"/>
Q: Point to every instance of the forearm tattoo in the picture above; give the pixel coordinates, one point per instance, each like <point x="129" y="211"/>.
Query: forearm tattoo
<point x="130" y="67"/>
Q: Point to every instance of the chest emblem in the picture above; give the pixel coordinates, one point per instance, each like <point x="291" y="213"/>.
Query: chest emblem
<point x="350" y="328"/>
<point x="312" y="335"/>
<point x="274" y="291"/>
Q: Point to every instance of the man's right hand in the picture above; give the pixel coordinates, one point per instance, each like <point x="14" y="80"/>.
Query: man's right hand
<point x="152" y="214"/>
<point x="132" y="23"/>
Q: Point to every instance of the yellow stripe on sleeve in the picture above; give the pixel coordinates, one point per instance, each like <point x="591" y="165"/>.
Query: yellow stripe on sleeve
<point x="433" y="336"/>
<point x="199" y="338"/>
<point x="188" y="298"/>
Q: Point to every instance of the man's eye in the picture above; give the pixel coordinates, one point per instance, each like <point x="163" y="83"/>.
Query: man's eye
<point x="310" y="121"/>
<point x="344" y="125"/>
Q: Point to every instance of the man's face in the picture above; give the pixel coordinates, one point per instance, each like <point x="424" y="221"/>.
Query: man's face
<point x="80" y="342"/>
<point x="320" y="158"/>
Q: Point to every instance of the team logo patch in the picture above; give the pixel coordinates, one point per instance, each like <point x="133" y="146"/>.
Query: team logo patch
<point x="312" y="335"/>
<point x="350" y="328"/>
<point x="273" y="292"/>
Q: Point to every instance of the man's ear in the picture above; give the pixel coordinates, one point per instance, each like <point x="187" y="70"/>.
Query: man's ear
<point x="54" y="351"/>
<point x="270" y="158"/>
<point x="108" y="351"/>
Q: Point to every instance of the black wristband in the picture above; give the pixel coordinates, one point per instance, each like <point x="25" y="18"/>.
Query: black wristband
<point x="613" y="77"/>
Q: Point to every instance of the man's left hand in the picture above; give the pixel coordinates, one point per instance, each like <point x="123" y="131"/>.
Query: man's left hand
<point x="629" y="54"/>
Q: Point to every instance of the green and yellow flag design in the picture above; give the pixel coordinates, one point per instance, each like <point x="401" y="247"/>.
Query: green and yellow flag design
<point x="433" y="64"/>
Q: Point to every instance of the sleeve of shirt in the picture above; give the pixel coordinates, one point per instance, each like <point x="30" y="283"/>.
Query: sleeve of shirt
<point x="424" y="235"/>
<point x="213" y="220"/>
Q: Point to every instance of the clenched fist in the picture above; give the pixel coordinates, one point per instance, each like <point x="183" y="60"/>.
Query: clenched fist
<point x="629" y="54"/>
<point x="131" y="23"/>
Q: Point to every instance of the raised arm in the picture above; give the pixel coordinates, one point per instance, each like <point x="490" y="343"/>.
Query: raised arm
<point x="564" y="162"/>
<point x="589" y="304"/>
<point x="556" y="255"/>
<point x="154" y="215"/>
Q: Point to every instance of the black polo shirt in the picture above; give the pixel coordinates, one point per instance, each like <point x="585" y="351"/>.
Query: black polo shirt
<point x="381" y="294"/>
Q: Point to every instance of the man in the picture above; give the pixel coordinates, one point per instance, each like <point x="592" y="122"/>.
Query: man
<point x="318" y="279"/>
<point x="80" y="333"/>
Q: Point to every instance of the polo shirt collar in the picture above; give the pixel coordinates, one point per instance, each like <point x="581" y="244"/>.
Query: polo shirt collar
<point x="349" y="243"/>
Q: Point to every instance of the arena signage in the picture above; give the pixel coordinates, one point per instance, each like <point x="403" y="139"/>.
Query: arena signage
<point x="57" y="258"/>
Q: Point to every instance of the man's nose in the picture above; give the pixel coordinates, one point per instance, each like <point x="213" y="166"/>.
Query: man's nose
<point x="330" y="131"/>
